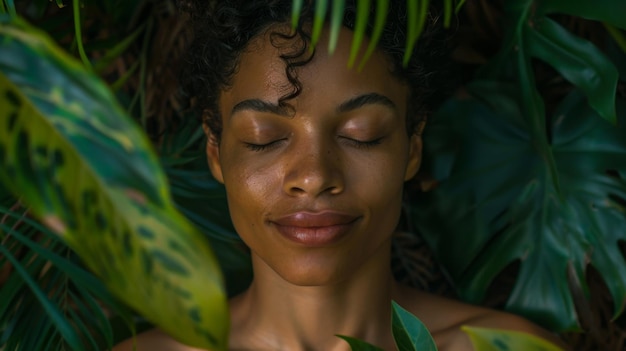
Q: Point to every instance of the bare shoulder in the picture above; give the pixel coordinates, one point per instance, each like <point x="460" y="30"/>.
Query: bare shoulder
<point x="444" y="317"/>
<point x="152" y="340"/>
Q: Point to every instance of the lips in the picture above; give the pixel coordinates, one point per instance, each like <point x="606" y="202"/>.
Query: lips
<point x="315" y="229"/>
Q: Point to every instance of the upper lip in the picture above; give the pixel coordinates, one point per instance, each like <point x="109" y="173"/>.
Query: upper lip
<point x="307" y="219"/>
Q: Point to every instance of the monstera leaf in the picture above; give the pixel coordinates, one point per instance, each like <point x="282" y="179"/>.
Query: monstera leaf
<point x="516" y="185"/>
<point x="88" y="172"/>
<point x="500" y="200"/>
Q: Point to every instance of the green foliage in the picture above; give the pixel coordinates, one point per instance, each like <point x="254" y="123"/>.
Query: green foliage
<point x="409" y="332"/>
<point x="416" y="19"/>
<point x="359" y="345"/>
<point x="518" y="185"/>
<point x="484" y="339"/>
<point x="50" y="293"/>
<point x="93" y="171"/>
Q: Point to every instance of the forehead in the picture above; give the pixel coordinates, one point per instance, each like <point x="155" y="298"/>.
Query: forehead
<point x="325" y="80"/>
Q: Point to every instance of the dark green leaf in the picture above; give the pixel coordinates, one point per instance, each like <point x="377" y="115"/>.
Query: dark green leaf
<point x="610" y="11"/>
<point x="359" y="345"/>
<point x="579" y="61"/>
<point x="409" y="333"/>
<point x="497" y="202"/>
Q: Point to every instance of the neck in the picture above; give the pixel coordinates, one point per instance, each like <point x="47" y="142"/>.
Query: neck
<point x="279" y="315"/>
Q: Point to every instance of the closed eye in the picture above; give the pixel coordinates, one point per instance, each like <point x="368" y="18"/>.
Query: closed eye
<point x="263" y="147"/>
<point x="362" y="144"/>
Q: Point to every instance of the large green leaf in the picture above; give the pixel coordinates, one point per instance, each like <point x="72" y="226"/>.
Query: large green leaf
<point x="579" y="61"/>
<point x="610" y="11"/>
<point x="88" y="172"/>
<point x="484" y="339"/>
<point x="531" y="34"/>
<point x="409" y="333"/>
<point x="497" y="201"/>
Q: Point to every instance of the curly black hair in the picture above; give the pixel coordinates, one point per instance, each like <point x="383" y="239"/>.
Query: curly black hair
<point x="222" y="29"/>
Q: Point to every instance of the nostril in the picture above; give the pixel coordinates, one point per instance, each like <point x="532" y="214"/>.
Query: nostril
<point x="296" y="190"/>
<point x="313" y="175"/>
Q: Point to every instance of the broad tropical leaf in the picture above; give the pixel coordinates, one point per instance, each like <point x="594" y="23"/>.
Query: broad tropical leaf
<point x="497" y="201"/>
<point x="609" y="11"/>
<point x="484" y="339"/>
<point x="409" y="332"/>
<point x="88" y="172"/>
<point x="579" y="61"/>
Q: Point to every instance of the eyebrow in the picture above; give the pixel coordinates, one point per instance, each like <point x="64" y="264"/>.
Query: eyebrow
<point x="354" y="103"/>
<point x="260" y="106"/>
<point x="366" y="99"/>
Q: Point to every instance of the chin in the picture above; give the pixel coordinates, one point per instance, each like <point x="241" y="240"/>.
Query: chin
<point x="300" y="274"/>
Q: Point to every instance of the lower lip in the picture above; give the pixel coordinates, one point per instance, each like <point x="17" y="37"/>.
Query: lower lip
<point x="314" y="236"/>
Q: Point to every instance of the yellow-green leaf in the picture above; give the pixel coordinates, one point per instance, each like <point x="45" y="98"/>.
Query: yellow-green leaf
<point x="485" y="339"/>
<point x="68" y="150"/>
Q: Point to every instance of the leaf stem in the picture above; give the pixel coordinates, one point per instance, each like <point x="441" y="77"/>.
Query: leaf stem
<point x="447" y="13"/>
<point x="141" y="90"/>
<point x="79" y="35"/>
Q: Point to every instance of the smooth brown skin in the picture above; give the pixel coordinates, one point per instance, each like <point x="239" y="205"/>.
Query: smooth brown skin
<point x="301" y="296"/>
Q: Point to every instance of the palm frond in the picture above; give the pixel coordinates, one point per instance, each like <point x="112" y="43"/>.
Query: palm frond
<point x="417" y="15"/>
<point x="50" y="299"/>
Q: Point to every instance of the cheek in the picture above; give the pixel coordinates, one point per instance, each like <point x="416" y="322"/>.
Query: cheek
<point x="250" y="190"/>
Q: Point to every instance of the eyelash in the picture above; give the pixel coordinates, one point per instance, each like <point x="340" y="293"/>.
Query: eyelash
<point x="262" y="147"/>
<point x="359" y="144"/>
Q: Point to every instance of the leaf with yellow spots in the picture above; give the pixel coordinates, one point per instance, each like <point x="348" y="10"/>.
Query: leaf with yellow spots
<point x="485" y="339"/>
<point x="70" y="152"/>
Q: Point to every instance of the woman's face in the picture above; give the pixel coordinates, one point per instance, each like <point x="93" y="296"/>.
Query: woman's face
<point x="315" y="194"/>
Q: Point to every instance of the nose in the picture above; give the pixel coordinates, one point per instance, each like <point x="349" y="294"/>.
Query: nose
<point x="313" y="171"/>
